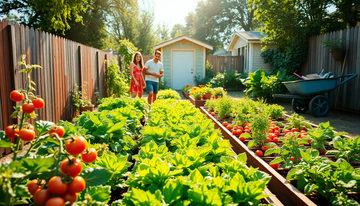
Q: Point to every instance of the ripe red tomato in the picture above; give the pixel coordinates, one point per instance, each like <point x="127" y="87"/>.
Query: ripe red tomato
<point x="59" y="130"/>
<point x="292" y="158"/>
<point x="41" y="196"/>
<point x="247" y="127"/>
<point x="234" y="132"/>
<point x="268" y="140"/>
<point x="246" y="124"/>
<point x="33" y="186"/>
<point x="275" y="166"/>
<point x="264" y="148"/>
<point x="294" y="130"/>
<point x="242" y="139"/>
<point x="27" y="134"/>
<point x="309" y="141"/>
<point x="77" y="146"/>
<point x="55" y="201"/>
<point x="238" y="132"/>
<point x="77" y="185"/>
<point x="302" y="131"/>
<point x="225" y="124"/>
<point x="259" y="153"/>
<point x="11" y="132"/>
<point x="56" y="186"/>
<point x="229" y="127"/>
<point x="73" y="167"/>
<point x="28" y="107"/>
<point x="276" y="139"/>
<point x="236" y="127"/>
<point x="277" y="128"/>
<point x="299" y="159"/>
<point x="286" y="131"/>
<point x="212" y="114"/>
<point x="276" y="132"/>
<point x="273" y="124"/>
<point x="247" y="131"/>
<point x="89" y="156"/>
<point x="322" y="152"/>
<point x="241" y="128"/>
<point x="16" y="96"/>
<point x="38" y="103"/>
<point x="69" y="197"/>
<point x="270" y="131"/>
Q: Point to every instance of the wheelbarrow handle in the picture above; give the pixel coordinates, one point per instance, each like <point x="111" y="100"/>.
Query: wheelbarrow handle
<point x="351" y="76"/>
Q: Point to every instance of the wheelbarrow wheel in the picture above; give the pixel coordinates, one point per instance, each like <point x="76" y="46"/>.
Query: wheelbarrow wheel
<point x="319" y="106"/>
<point x="300" y="105"/>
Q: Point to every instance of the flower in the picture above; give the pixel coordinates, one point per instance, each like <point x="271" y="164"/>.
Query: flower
<point x="187" y="85"/>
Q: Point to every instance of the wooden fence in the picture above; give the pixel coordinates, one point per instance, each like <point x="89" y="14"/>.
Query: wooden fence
<point x="320" y="59"/>
<point x="226" y="63"/>
<point x="63" y="62"/>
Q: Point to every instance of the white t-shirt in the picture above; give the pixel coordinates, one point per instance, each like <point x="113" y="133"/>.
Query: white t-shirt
<point x="153" y="67"/>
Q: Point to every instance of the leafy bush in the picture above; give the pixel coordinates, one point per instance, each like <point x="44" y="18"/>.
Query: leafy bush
<point x="261" y="84"/>
<point x="115" y="81"/>
<point x="231" y="79"/>
<point x="281" y="60"/>
<point x="274" y="111"/>
<point x="224" y="106"/>
<point x="111" y="103"/>
<point x="168" y="94"/>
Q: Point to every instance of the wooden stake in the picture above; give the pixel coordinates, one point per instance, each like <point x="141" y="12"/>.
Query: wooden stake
<point x="342" y="72"/>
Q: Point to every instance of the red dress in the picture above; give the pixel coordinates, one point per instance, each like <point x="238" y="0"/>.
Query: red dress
<point x="139" y="78"/>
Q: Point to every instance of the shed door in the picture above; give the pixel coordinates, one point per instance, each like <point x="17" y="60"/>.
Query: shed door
<point x="182" y="69"/>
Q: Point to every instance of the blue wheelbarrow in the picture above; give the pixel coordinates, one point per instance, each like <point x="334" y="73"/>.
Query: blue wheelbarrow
<point x="309" y="94"/>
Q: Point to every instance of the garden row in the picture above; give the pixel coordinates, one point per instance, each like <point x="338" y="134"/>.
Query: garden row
<point x="109" y="157"/>
<point x="316" y="160"/>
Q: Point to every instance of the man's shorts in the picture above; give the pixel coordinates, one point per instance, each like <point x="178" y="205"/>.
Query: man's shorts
<point x="152" y="86"/>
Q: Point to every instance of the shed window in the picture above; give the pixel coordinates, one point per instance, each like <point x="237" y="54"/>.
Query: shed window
<point x="238" y="52"/>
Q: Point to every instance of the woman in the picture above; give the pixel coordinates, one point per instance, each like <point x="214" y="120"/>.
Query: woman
<point x="137" y="82"/>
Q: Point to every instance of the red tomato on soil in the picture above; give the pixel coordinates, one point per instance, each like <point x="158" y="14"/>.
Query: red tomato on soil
<point x="276" y="140"/>
<point x="259" y="153"/>
<point x="275" y="166"/>
<point x="225" y="124"/>
<point x="264" y="148"/>
<point x="242" y="139"/>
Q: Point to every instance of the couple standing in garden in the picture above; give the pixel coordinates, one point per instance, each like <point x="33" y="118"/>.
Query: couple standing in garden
<point x="153" y="70"/>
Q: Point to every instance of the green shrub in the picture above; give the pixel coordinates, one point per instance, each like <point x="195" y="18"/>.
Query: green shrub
<point x="224" y="106"/>
<point x="168" y="94"/>
<point x="261" y="84"/>
<point x="115" y="81"/>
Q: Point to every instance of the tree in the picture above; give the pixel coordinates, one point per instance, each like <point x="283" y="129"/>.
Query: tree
<point x="163" y="32"/>
<point x="348" y="11"/>
<point x="178" y="30"/>
<point x="92" y="30"/>
<point x="46" y="15"/>
<point x="147" y="38"/>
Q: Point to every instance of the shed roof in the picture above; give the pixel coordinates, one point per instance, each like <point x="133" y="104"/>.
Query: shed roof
<point x="251" y="35"/>
<point x="179" y="38"/>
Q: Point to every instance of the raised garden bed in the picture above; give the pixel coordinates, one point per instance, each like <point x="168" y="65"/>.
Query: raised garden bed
<point x="186" y="94"/>
<point x="197" y="103"/>
<point x="285" y="191"/>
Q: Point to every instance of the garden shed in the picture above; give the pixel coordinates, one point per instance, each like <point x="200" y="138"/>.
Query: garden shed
<point x="183" y="57"/>
<point x="248" y="43"/>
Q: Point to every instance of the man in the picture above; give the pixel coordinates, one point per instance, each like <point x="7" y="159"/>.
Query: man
<point x="153" y="70"/>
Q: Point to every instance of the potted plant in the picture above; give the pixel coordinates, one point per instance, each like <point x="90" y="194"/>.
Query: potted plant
<point x="208" y="91"/>
<point x="80" y="99"/>
<point x="335" y="48"/>
<point x="218" y="92"/>
<point x="186" y="90"/>
<point x="197" y="92"/>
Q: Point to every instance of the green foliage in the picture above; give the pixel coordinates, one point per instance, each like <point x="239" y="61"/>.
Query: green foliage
<point x="322" y="133"/>
<point x="115" y="81"/>
<point x="37" y="14"/>
<point x="289" y="59"/>
<point x="79" y="98"/>
<point x="259" y="127"/>
<point x="230" y="79"/>
<point x="274" y="111"/>
<point x="297" y="121"/>
<point x="330" y="179"/>
<point x="224" y="106"/>
<point x="168" y="94"/>
<point x="347" y="148"/>
<point x="332" y="44"/>
<point x="127" y="50"/>
<point x="136" y="104"/>
<point x="261" y="84"/>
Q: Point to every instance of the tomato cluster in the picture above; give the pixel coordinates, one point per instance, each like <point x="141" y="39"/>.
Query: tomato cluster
<point x="57" y="192"/>
<point x="27" y="132"/>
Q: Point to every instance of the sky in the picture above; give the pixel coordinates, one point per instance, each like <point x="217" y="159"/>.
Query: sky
<point x="172" y="11"/>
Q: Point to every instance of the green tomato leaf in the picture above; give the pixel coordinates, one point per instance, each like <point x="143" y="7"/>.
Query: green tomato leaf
<point x="306" y="156"/>
<point x="309" y="188"/>
<point x="96" y="176"/>
<point x="39" y="164"/>
<point x="5" y="144"/>
<point x="277" y="160"/>
<point x="245" y="135"/>
<point x="43" y="127"/>
<point x="172" y="191"/>
<point x="251" y="143"/>
<point x="99" y="193"/>
<point x="270" y="151"/>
